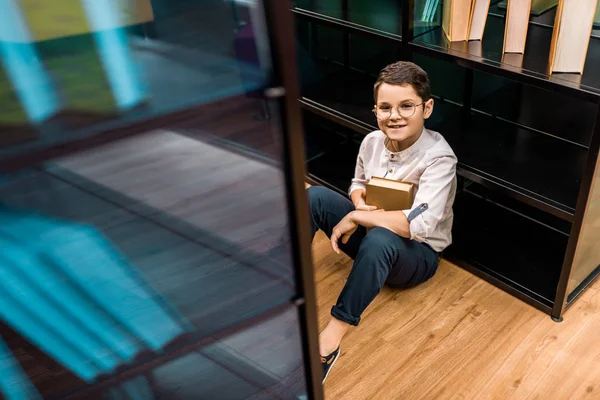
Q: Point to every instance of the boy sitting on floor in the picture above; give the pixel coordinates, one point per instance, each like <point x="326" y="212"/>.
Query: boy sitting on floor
<point x="402" y="248"/>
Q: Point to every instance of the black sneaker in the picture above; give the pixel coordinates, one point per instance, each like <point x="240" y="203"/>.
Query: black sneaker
<point x="328" y="361"/>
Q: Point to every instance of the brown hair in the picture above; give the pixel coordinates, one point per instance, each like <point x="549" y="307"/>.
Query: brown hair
<point x="404" y="73"/>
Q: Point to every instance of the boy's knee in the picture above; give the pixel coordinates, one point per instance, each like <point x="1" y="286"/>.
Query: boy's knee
<point x="379" y="240"/>
<point x="317" y="195"/>
<point x="315" y="191"/>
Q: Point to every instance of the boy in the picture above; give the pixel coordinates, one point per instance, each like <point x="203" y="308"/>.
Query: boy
<point x="403" y="248"/>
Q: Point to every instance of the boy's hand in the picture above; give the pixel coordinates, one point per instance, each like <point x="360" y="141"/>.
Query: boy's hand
<point x="362" y="206"/>
<point x="344" y="229"/>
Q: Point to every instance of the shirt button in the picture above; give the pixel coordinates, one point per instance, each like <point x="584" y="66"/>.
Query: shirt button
<point x="390" y="170"/>
<point x="391" y="156"/>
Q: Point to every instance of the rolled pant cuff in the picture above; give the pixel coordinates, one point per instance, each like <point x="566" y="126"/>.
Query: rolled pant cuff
<point x="343" y="316"/>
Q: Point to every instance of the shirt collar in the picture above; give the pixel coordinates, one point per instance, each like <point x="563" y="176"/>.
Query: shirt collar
<point x="416" y="146"/>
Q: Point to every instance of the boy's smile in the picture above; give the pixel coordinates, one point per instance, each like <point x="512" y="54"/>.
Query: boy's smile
<point x="404" y="113"/>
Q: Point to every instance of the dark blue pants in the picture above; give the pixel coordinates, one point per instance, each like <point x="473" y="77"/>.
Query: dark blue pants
<point x="379" y="257"/>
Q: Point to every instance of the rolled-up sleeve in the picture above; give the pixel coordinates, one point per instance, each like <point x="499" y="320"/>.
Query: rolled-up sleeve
<point x="360" y="180"/>
<point x="435" y="186"/>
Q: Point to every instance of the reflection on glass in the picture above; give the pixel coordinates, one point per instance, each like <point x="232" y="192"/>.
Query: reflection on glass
<point x="14" y="383"/>
<point x="116" y="56"/>
<point x="96" y="66"/>
<point x="23" y="67"/>
<point x="164" y="253"/>
<point x="236" y="360"/>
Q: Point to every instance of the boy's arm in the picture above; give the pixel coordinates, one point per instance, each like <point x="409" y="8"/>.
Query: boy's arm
<point x="435" y="186"/>
<point x="395" y="221"/>
<point x="358" y="199"/>
<point x="357" y="195"/>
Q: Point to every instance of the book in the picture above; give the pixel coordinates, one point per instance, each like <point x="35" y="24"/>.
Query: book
<point x="514" y="59"/>
<point x="571" y="35"/>
<point x="75" y="251"/>
<point x="517" y="22"/>
<point x="478" y="19"/>
<point x="456" y="19"/>
<point x="389" y="195"/>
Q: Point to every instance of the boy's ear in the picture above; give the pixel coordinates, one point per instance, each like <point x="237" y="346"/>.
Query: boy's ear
<point x="428" y="109"/>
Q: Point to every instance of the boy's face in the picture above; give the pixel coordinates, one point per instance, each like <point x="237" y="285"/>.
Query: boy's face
<point x="405" y="128"/>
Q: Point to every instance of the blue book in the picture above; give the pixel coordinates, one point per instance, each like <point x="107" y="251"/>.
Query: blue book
<point x="95" y="267"/>
<point x="14" y="382"/>
<point x="113" y="342"/>
<point x="22" y="292"/>
<point x="36" y="330"/>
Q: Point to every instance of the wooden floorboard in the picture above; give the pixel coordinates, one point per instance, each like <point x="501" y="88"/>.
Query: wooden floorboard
<point x="458" y="337"/>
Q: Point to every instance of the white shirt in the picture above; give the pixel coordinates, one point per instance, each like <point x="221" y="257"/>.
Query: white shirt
<point x="430" y="165"/>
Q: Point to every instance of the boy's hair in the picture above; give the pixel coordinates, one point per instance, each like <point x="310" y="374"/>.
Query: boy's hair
<point x="404" y="73"/>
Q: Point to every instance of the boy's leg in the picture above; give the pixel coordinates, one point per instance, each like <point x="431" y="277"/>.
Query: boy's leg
<point x="382" y="257"/>
<point x="327" y="209"/>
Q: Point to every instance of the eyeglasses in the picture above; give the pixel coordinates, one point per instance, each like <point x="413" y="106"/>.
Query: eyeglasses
<point x="406" y="110"/>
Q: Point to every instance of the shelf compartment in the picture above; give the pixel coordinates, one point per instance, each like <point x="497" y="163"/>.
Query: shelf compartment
<point x="568" y="119"/>
<point x="321" y="135"/>
<point x="334" y="167"/>
<point x="344" y="96"/>
<point x="499" y="241"/>
<point x="487" y="56"/>
<point x="378" y="18"/>
<point x="496" y="153"/>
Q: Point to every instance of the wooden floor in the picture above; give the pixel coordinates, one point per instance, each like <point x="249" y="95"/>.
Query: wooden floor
<point x="458" y="337"/>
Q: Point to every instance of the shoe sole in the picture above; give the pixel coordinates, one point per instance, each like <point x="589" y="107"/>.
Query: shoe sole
<point x="331" y="366"/>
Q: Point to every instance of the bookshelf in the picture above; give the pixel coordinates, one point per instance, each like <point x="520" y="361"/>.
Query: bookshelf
<point x="200" y="213"/>
<point x="531" y="68"/>
<point x="527" y="141"/>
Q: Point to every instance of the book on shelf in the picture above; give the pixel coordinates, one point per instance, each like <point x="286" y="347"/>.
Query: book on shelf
<point x="517" y="22"/>
<point x="389" y="195"/>
<point x="571" y="35"/>
<point x="478" y="19"/>
<point x="514" y="59"/>
<point x="456" y="19"/>
<point x="537" y="6"/>
<point x="464" y="19"/>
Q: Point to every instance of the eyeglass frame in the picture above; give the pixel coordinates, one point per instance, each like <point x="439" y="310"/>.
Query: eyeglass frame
<point x="397" y="111"/>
